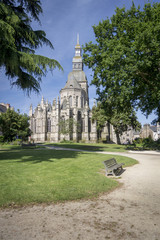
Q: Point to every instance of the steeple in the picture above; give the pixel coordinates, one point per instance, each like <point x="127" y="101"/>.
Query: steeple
<point x="42" y="102"/>
<point x="31" y="111"/>
<point x="77" y="38"/>
<point x="77" y="59"/>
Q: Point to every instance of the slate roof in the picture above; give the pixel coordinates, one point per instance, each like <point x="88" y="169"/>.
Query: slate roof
<point x="153" y="128"/>
<point x="3" y="109"/>
<point x="72" y="82"/>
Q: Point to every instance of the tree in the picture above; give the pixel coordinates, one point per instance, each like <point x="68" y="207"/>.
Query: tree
<point x="66" y="126"/>
<point x="13" y="125"/>
<point x="18" y="42"/>
<point x="98" y="115"/>
<point x="119" y="120"/>
<point x="126" y="60"/>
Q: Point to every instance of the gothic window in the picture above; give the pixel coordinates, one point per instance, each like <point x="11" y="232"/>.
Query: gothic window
<point x="71" y="113"/>
<point x="79" y="127"/>
<point x="83" y="125"/>
<point x="70" y="101"/>
<point x="48" y="125"/>
<point x="62" y="124"/>
<point x="76" y="101"/>
<point x="89" y="125"/>
<point x="64" y="105"/>
<point x="82" y="102"/>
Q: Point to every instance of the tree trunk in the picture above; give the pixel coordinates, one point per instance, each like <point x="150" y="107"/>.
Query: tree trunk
<point x="118" y="138"/>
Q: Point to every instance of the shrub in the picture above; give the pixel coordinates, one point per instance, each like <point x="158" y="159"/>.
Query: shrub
<point x="138" y="141"/>
<point x="149" y="143"/>
<point x="16" y="142"/>
<point x="1" y="139"/>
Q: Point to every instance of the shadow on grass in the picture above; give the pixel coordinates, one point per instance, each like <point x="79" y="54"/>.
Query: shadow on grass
<point x="84" y="147"/>
<point x="89" y="147"/>
<point x="36" y="155"/>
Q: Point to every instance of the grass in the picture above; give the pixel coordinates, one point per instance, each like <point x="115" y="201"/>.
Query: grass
<point x="44" y="176"/>
<point x="92" y="146"/>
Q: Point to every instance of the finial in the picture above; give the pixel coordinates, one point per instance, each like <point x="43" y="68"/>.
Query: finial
<point x="31" y="111"/>
<point x="77" y="38"/>
<point x="42" y="101"/>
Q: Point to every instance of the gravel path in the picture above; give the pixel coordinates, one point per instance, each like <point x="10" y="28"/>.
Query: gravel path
<point x="130" y="212"/>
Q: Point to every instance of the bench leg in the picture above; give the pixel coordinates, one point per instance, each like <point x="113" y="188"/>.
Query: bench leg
<point x="111" y="172"/>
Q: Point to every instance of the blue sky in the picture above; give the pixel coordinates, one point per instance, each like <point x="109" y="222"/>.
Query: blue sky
<point x="62" y="20"/>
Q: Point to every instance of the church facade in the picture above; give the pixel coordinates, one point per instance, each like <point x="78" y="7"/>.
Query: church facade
<point x="49" y="122"/>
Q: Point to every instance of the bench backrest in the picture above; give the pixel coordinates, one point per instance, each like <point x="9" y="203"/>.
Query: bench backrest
<point x="110" y="162"/>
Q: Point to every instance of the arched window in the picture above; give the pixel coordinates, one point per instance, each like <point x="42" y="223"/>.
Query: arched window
<point x="82" y="102"/>
<point x="83" y="125"/>
<point x="70" y="101"/>
<point x="64" y="105"/>
<point x="62" y="125"/>
<point x="48" y="125"/>
<point x="76" y="101"/>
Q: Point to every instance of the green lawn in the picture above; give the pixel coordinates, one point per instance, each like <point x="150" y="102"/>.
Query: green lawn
<point x="92" y="146"/>
<point x="44" y="175"/>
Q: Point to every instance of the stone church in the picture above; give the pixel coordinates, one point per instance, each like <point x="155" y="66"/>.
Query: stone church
<point x="46" y="122"/>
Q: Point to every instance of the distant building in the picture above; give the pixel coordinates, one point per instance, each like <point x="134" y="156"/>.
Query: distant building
<point x="150" y="131"/>
<point x="129" y="136"/>
<point x="73" y="105"/>
<point x="4" y="107"/>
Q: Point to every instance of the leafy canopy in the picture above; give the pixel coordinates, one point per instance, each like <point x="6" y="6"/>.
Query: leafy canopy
<point x="119" y="120"/>
<point x="18" y="42"/>
<point x="66" y="126"/>
<point x="125" y="60"/>
<point x="13" y="125"/>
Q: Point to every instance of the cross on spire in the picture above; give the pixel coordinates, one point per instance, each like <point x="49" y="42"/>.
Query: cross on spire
<point x="77" y="38"/>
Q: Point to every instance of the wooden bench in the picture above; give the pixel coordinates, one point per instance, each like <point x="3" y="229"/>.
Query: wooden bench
<point x="111" y="165"/>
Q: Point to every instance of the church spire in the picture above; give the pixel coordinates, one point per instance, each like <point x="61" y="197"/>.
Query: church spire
<point x="77" y="38"/>
<point x="77" y="59"/>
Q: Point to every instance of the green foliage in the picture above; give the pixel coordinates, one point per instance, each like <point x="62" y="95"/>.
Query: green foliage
<point x="98" y="115"/>
<point x="13" y="125"/>
<point x="37" y="176"/>
<point x="138" y="141"/>
<point x="149" y="143"/>
<point x="119" y="120"/>
<point x="66" y="126"/>
<point x="1" y="139"/>
<point x="16" y="142"/>
<point x="126" y="60"/>
<point x="18" y="42"/>
<point x="146" y="144"/>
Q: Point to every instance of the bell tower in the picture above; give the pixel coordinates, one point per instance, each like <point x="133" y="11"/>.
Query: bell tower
<point x="77" y="64"/>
